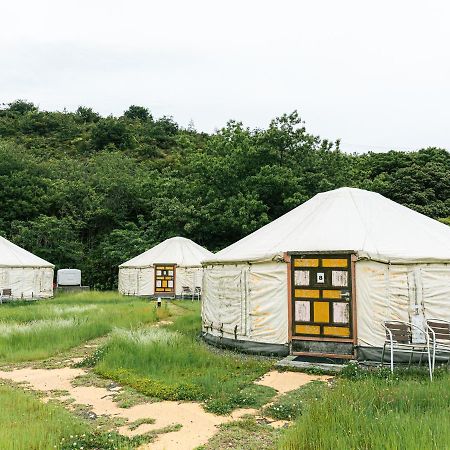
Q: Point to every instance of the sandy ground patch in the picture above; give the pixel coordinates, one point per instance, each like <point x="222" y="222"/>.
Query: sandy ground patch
<point x="44" y="379"/>
<point x="279" y="423"/>
<point x="164" y="322"/>
<point x="288" y="381"/>
<point x="198" y="426"/>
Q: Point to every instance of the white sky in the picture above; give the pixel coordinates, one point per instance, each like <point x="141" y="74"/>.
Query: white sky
<point x="375" y="74"/>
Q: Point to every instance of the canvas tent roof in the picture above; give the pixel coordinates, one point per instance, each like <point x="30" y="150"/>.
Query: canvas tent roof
<point x="11" y="255"/>
<point x="347" y="219"/>
<point x="176" y="250"/>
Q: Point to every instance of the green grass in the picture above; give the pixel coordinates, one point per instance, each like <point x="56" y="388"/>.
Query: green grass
<point x="376" y="411"/>
<point x="38" y="330"/>
<point x="360" y="410"/>
<point x="172" y="363"/>
<point x="292" y="404"/>
<point x="244" y="434"/>
<point x="27" y="423"/>
<point x="137" y="423"/>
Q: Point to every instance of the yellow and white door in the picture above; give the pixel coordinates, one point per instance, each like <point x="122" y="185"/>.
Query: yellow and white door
<point x="321" y="297"/>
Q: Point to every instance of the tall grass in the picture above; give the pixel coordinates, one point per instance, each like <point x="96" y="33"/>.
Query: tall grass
<point x="172" y="363"/>
<point x="374" y="413"/>
<point x="30" y="331"/>
<point x="27" y="423"/>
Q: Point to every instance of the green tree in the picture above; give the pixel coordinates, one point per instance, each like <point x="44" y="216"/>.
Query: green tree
<point x="138" y="113"/>
<point x="20" y="107"/>
<point x="86" y="115"/>
<point x="90" y="192"/>
<point x="111" y="132"/>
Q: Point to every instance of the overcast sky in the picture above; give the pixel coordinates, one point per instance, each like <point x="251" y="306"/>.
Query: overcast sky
<point x="374" y="74"/>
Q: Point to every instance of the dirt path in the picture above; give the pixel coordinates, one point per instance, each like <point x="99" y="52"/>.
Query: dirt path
<point x="288" y="381"/>
<point x="198" y="426"/>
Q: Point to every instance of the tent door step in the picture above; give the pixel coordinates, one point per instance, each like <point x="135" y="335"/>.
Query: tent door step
<point x="296" y="362"/>
<point x="324" y="355"/>
<point x="321" y="348"/>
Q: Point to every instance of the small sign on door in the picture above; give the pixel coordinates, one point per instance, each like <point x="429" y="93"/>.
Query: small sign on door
<point x="320" y="277"/>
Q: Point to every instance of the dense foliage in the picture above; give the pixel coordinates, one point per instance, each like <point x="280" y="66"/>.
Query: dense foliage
<point x="90" y="192"/>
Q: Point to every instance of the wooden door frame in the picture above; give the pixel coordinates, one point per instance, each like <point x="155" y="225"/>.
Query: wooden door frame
<point x="353" y="259"/>
<point x="161" y="294"/>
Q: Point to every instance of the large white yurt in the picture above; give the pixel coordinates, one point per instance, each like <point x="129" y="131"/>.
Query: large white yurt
<point x="164" y="269"/>
<point x="26" y="275"/>
<point x="321" y="279"/>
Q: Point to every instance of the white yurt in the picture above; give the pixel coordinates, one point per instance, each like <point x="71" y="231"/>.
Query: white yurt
<point x="165" y="269"/>
<point x="25" y="275"/>
<point x="321" y="279"/>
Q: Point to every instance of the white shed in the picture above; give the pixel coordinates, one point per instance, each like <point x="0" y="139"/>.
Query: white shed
<point x="25" y="274"/>
<point x="68" y="277"/>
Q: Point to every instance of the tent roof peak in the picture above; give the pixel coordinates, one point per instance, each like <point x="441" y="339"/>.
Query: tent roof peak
<point x="347" y="218"/>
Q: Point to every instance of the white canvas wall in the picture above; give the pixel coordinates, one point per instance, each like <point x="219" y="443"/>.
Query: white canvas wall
<point x="136" y="281"/>
<point x="188" y="276"/>
<point x="251" y="297"/>
<point x="398" y="292"/>
<point x="27" y="282"/>
<point x="255" y="299"/>
<point x="141" y="281"/>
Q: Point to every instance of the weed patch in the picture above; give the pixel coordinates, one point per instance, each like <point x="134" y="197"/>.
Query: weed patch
<point x="137" y="423"/>
<point x="96" y="440"/>
<point x="244" y="434"/>
<point x="171" y="363"/>
<point x="292" y="404"/>
<point x="128" y="397"/>
<point x="90" y="379"/>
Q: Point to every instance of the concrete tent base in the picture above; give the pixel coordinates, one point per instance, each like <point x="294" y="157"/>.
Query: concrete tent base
<point x="373" y="354"/>
<point x="256" y="348"/>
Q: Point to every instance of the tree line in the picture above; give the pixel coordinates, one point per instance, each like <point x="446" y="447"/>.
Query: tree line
<point x="90" y="192"/>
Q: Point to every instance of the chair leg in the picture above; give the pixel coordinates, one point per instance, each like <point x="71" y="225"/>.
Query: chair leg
<point x="392" y="357"/>
<point x="382" y="354"/>
<point x="411" y="357"/>
<point x="430" y="367"/>
<point x="434" y="354"/>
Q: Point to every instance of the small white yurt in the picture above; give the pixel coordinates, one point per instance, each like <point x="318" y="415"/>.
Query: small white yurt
<point x="321" y="279"/>
<point x="165" y="269"/>
<point x="23" y="274"/>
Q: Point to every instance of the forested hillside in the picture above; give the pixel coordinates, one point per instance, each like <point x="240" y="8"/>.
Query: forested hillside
<point x="90" y="192"/>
